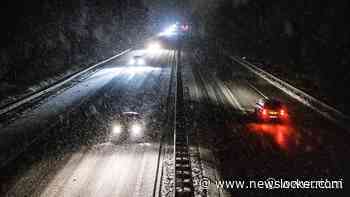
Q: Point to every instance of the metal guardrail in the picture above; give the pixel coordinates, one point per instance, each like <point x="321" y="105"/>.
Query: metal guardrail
<point x="322" y="108"/>
<point x="16" y="104"/>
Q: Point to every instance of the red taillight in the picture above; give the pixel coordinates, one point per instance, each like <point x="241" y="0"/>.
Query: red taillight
<point x="264" y="112"/>
<point x="282" y="112"/>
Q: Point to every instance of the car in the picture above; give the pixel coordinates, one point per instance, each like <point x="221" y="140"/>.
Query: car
<point x="128" y="125"/>
<point x="270" y="109"/>
<point x="154" y="46"/>
<point x="138" y="60"/>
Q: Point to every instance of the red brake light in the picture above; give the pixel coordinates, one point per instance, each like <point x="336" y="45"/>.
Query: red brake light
<point x="282" y="112"/>
<point x="264" y="112"/>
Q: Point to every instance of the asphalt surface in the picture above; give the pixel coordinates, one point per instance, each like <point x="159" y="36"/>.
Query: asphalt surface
<point x="66" y="147"/>
<point x="306" y="146"/>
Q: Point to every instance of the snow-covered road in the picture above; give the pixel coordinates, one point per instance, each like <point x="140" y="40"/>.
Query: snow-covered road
<point x="100" y="168"/>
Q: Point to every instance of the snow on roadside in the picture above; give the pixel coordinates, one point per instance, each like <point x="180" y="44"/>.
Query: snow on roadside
<point x="168" y="181"/>
<point x="4" y="86"/>
<point x="203" y="161"/>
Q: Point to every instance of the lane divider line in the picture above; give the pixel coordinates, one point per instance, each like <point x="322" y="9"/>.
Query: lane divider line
<point x="233" y="98"/>
<point x="320" y="107"/>
<point x="257" y="90"/>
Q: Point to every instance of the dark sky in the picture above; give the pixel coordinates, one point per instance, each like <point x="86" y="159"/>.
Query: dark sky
<point x="161" y="13"/>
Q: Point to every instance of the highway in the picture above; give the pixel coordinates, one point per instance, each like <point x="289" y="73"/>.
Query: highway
<point x="65" y="146"/>
<point x="62" y="146"/>
<point x="307" y="146"/>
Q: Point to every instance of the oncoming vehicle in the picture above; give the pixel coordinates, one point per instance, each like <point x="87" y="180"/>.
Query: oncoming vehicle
<point x="154" y="47"/>
<point x="129" y="125"/>
<point x="138" y="60"/>
<point x="270" y="109"/>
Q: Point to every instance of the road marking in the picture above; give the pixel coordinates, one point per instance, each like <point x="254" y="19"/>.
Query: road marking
<point x="322" y="108"/>
<point x="257" y="90"/>
<point x="234" y="98"/>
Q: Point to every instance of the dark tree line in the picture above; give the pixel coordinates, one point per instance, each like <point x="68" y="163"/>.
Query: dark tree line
<point x="42" y="38"/>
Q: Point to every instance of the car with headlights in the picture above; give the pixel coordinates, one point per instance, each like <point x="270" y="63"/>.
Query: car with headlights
<point x="128" y="125"/>
<point x="270" y="109"/>
<point x="154" y="46"/>
<point x="137" y="60"/>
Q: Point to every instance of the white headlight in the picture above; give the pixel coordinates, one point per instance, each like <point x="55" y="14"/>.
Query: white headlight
<point x="141" y="62"/>
<point x="136" y="129"/>
<point x="154" y="47"/>
<point x="132" y="61"/>
<point x="117" y="129"/>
